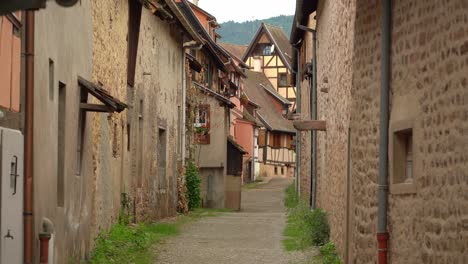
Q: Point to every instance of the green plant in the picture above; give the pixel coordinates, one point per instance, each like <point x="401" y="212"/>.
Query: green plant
<point x="130" y="244"/>
<point x="329" y="254"/>
<point x="305" y="227"/>
<point x="124" y="213"/>
<point x="193" y="182"/>
<point x="291" y="198"/>
<point x="318" y="227"/>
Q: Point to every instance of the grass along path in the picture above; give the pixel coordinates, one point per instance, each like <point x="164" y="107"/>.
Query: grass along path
<point x="308" y="230"/>
<point x="135" y="243"/>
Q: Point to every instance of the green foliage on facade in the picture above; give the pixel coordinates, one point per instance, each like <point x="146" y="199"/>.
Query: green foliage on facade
<point x="193" y="182"/>
<point x="242" y="33"/>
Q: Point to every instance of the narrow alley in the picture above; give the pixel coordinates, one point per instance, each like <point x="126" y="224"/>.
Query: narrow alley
<point x="243" y="132"/>
<point x="251" y="236"/>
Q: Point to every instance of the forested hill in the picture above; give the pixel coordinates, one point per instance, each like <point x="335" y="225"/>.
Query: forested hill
<point x="242" y="33"/>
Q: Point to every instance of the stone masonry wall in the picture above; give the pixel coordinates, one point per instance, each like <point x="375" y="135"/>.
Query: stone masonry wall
<point x="429" y="91"/>
<point x="158" y="86"/>
<point x="364" y="126"/>
<point x="430" y="88"/>
<point x="110" y="26"/>
<point x="334" y="72"/>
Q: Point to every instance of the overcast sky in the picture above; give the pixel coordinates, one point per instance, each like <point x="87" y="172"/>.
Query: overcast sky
<point x="243" y="10"/>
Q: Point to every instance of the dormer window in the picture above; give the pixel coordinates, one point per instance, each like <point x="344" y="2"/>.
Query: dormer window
<point x="264" y="49"/>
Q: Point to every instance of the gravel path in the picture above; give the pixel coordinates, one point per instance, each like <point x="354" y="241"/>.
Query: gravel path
<point x="253" y="235"/>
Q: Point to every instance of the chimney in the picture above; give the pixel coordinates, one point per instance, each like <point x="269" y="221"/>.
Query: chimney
<point x="195" y="2"/>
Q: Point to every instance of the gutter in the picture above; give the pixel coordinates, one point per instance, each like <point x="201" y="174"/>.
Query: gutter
<point x="382" y="232"/>
<point x="29" y="139"/>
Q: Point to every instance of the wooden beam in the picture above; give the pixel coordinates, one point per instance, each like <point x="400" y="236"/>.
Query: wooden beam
<point x="306" y="125"/>
<point x="95" y="108"/>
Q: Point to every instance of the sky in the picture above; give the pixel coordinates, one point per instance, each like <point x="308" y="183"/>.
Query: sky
<point x="243" y="10"/>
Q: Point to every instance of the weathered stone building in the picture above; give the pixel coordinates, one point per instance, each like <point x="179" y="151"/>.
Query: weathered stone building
<point x="427" y="202"/>
<point x="210" y="84"/>
<point x="103" y="161"/>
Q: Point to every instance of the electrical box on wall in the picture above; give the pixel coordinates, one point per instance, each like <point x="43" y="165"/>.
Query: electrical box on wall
<point x="11" y="195"/>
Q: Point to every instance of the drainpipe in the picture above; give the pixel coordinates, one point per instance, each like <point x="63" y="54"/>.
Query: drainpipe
<point x="184" y="100"/>
<point x="28" y="144"/>
<point x="298" y="111"/>
<point x="313" y="102"/>
<point x="382" y="233"/>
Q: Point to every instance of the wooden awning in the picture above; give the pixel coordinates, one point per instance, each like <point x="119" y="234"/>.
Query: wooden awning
<point x="306" y="125"/>
<point x="110" y="103"/>
<point x="193" y="63"/>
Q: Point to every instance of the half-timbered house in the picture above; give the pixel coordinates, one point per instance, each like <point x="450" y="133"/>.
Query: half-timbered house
<point x="276" y="155"/>
<point x="271" y="53"/>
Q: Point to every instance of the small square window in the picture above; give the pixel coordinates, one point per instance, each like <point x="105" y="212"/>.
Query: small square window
<point x="402" y="158"/>
<point x="283" y="79"/>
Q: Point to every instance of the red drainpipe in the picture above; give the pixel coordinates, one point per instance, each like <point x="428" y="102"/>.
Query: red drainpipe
<point x="44" y="239"/>
<point x="382" y="239"/>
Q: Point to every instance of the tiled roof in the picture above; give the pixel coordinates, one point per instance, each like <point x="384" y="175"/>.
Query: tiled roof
<point x="236" y="50"/>
<point x="281" y="41"/>
<point x="268" y="113"/>
<point x="278" y="38"/>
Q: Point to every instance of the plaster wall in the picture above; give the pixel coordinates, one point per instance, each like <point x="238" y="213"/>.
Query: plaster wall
<point x="63" y="35"/>
<point x="157" y="97"/>
<point x="245" y="136"/>
<point x="211" y="158"/>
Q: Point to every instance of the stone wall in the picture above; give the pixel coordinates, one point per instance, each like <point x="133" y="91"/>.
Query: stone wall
<point x="158" y="90"/>
<point x="109" y="29"/>
<point x="427" y="215"/>
<point x="334" y="72"/>
<point x="430" y="90"/>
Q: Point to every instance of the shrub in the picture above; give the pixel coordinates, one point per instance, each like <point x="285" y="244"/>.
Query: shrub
<point x="193" y="182"/>
<point x="329" y="254"/>
<point x="318" y="227"/>
<point x="305" y="227"/>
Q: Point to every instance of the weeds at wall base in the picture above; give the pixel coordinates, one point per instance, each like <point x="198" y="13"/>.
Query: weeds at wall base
<point x="307" y="228"/>
<point x="135" y="243"/>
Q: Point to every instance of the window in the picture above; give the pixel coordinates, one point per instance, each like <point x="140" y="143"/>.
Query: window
<point x="61" y="109"/>
<point x="128" y="137"/>
<point x="51" y="80"/>
<point x="283" y="79"/>
<point x="265" y="49"/>
<point x="402" y="158"/>
<point x="162" y="158"/>
<point x="114" y="141"/>
<point x="276" y="170"/>
<point x="202" y="124"/>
